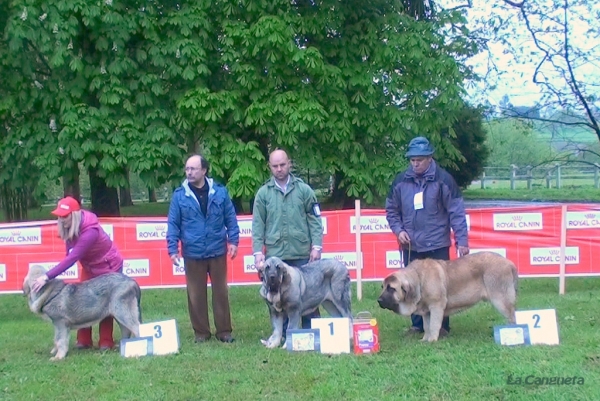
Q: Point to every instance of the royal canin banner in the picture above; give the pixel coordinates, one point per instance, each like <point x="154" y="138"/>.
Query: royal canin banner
<point x="529" y="236"/>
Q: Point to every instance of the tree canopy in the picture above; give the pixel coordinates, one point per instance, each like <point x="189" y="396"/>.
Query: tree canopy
<point x="135" y="86"/>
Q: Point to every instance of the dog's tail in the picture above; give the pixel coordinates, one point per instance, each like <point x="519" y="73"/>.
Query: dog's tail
<point x="139" y="303"/>
<point x="347" y="296"/>
<point x="515" y="279"/>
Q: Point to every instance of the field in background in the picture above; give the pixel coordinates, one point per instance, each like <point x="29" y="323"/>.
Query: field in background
<point x="467" y="365"/>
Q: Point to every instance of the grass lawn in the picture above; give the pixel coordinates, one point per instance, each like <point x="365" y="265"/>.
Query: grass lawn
<point x="467" y="365"/>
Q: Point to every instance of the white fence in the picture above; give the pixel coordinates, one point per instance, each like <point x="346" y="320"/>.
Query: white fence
<point x="554" y="176"/>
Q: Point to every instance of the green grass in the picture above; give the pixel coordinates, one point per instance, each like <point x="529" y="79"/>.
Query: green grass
<point x="467" y="365"/>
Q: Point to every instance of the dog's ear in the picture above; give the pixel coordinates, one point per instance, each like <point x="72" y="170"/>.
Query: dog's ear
<point x="410" y="292"/>
<point x="26" y="287"/>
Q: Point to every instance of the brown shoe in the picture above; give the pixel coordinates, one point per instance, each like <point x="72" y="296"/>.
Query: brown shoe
<point x="199" y="340"/>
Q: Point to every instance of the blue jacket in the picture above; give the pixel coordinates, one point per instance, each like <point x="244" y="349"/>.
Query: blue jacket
<point x="443" y="208"/>
<point x="201" y="237"/>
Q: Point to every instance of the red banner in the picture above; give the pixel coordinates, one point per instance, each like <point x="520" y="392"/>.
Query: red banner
<point x="529" y="236"/>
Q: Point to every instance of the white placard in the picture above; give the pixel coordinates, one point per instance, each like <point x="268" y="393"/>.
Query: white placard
<point x="542" y="325"/>
<point x="165" y="338"/>
<point x="136" y="347"/>
<point x="334" y="334"/>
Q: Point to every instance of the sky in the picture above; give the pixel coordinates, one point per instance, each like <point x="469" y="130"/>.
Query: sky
<point x="516" y="79"/>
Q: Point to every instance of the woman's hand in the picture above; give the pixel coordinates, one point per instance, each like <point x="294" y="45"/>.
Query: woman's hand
<point x="39" y="283"/>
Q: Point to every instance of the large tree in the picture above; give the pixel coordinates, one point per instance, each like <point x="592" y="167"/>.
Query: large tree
<point x="129" y="86"/>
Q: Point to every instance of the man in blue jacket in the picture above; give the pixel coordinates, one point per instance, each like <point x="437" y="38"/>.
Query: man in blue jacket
<point x="424" y="202"/>
<point x="202" y="217"/>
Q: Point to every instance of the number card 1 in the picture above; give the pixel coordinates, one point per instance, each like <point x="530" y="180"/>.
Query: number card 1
<point x="165" y="338"/>
<point x="542" y="325"/>
<point x="334" y="333"/>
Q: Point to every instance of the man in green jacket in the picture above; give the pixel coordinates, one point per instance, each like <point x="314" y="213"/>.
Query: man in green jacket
<point x="286" y="220"/>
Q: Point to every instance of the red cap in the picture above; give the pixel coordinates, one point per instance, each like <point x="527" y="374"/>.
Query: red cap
<point x="66" y="206"/>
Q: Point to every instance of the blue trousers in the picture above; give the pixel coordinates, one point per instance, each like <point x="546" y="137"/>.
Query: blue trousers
<point x="440" y="254"/>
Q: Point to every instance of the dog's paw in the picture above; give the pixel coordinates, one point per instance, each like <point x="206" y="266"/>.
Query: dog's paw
<point x="271" y="342"/>
<point x="53" y="351"/>
<point x="263" y="342"/>
<point x="57" y="358"/>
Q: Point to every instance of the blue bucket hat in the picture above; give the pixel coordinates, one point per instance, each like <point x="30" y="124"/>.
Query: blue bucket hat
<point x="419" y="146"/>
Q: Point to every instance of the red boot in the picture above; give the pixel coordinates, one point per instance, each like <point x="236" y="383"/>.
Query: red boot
<point x="106" y="334"/>
<point x="84" y="338"/>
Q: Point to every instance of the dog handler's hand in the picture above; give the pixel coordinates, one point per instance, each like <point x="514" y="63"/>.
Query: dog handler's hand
<point x="463" y="250"/>
<point x="404" y="238"/>
<point x="259" y="261"/>
<point x="232" y="250"/>
<point x="175" y="259"/>
<point x="315" y="254"/>
<point x="39" y="283"/>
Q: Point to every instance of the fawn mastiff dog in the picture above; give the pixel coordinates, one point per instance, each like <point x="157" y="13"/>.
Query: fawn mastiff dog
<point x="73" y="306"/>
<point x="437" y="288"/>
<point x="296" y="292"/>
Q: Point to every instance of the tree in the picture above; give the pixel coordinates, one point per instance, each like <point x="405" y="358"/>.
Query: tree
<point x="557" y="41"/>
<point x="135" y="88"/>
<point x="470" y="139"/>
<point x="512" y="141"/>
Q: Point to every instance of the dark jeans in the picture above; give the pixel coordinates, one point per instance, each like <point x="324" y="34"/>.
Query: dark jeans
<point x="440" y="254"/>
<point x="305" y="319"/>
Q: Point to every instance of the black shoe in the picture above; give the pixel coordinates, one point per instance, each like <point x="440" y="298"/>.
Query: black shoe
<point x="227" y="339"/>
<point x="414" y="330"/>
<point x="201" y="339"/>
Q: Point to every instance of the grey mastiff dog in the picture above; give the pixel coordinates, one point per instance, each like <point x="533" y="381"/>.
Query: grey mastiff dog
<point x="73" y="306"/>
<point x="296" y="292"/>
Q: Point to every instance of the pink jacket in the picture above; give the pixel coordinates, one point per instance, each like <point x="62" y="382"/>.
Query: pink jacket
<point x="93" y="249"/>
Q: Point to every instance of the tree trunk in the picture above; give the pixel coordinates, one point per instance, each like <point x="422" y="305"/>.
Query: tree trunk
<point x="125" y="192"/>
<point x="105" y="200"/>
<point x="71" y="182"/>
<point x="338" y="195"/>
<point x="14" y="203"/>
<point x="151" y="195"/>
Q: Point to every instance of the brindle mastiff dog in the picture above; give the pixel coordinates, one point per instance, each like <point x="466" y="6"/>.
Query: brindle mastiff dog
<point x="73" y="306"/>
<point x="437" y="288"/>
<point x="299" y="291"/>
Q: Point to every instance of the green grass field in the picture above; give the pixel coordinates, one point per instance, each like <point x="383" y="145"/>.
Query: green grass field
<point x="467" y="365"/>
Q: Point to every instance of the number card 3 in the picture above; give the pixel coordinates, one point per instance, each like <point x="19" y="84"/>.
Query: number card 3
<point x="542" y="325"/>
<point x="165" y="338"/>
<point x="334" y="333"/>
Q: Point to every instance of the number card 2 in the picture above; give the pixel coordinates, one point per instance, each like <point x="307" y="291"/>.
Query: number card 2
<point x="165" y="338"/>
<point x="334" y="334"/>
<point x="542" y="325"/>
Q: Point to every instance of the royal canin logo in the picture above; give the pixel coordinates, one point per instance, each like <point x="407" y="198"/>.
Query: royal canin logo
<point x="160" y="227"/>
<point x="373" y="220"/>
<point x="338" y="257"/>
<point x="126" y="264"/>
<point x="517" y="218"/>
<point x="590" y="215"/>
<point x="554" y="251"/>
<point x="15" y="233"/>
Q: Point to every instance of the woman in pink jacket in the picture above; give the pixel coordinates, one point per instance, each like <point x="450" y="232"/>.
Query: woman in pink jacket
<point x="87" y="243"/>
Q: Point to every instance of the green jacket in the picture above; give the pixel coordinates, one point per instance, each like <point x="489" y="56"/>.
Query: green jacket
<point x="286" y="223"/>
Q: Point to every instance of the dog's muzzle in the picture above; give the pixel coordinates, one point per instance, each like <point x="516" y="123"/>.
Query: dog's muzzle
<point x="273" y="283"/>
<point x="385" y="304"/>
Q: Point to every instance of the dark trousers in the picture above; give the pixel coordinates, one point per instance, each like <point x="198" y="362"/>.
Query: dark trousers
<point x="440" y="254"/>
<point x="305" y="319"/>
<point x="196" y="277"/>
